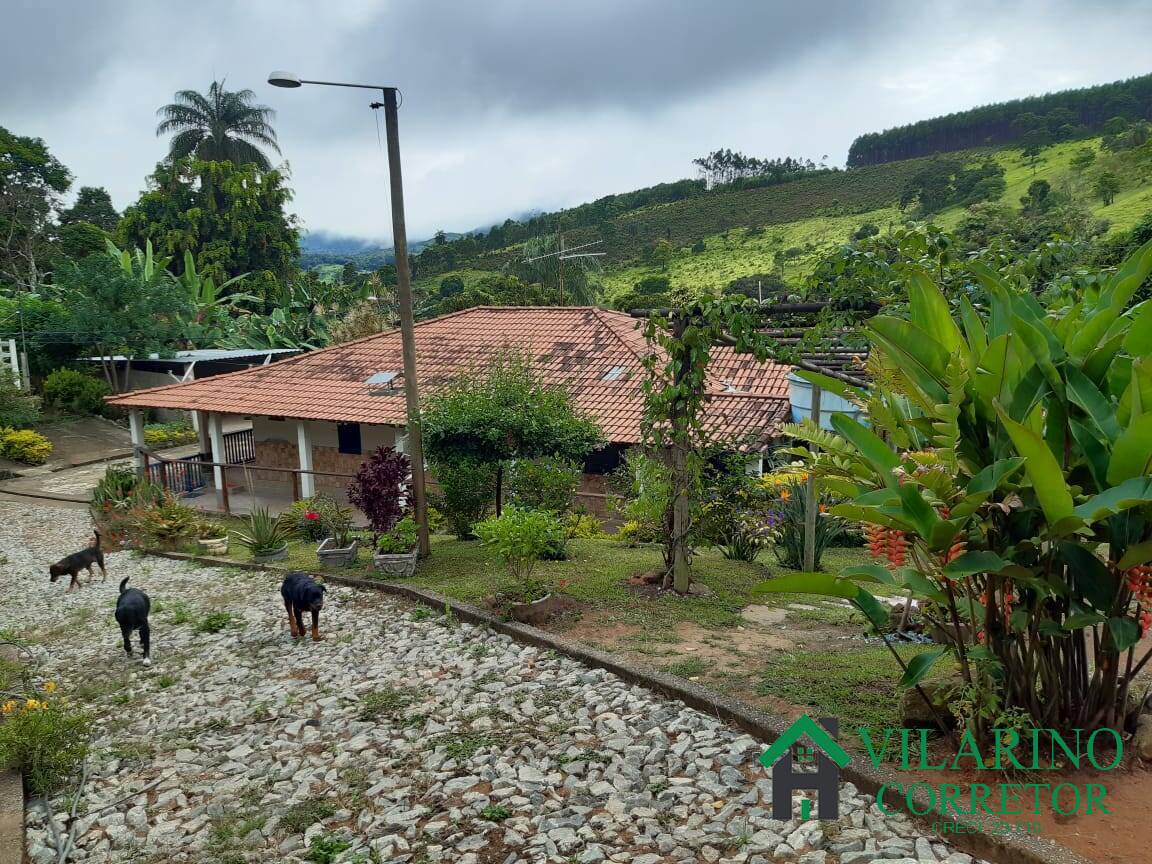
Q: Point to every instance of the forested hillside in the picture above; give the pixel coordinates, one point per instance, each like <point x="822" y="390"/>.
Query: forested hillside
<point x="1035" y="121"/>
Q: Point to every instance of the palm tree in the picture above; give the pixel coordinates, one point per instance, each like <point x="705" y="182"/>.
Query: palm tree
<point x="221" y="126"/>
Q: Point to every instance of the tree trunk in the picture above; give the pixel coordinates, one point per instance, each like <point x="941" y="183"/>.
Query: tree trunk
<point x="499" y="488"/>
<point x="680" y="566"/>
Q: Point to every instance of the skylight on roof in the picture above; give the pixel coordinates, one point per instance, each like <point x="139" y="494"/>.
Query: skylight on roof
<point x="614" y="374"/>
<point x="382" y="382"/>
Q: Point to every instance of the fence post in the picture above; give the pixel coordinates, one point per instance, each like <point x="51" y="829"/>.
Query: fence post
<point x="810" y="502"/>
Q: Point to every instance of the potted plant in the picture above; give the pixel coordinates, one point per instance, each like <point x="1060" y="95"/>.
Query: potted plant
<point x="340" y="548"/>
<point x="382" y="490"/>
<point x="395" y="553"/>
<point x="266" y="536"/>
<point x="213" y="537"/>
<point x="521" y="538"/>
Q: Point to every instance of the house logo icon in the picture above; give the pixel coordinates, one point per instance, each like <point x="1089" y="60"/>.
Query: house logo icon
<point x="821" y="750"/>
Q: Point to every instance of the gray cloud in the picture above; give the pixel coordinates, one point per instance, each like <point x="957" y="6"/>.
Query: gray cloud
<point x="512" y="104"/>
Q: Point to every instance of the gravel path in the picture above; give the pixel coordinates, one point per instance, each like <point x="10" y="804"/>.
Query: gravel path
<point x="404" y="736"/>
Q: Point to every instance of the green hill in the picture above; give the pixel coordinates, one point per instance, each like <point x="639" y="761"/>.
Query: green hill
<point x="723" y="234"/>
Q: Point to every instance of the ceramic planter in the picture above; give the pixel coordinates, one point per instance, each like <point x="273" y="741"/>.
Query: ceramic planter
<point x="214" y="545"/>
<point x="277" y="555"/>
<point x="331" y="555"/>
<point x="399" y="566"/>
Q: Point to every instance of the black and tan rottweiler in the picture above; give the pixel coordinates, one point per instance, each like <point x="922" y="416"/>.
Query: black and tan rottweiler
<point x="302" y="593"/>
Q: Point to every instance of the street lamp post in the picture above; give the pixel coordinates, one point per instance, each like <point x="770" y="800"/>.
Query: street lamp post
<point x="403" y="289"/>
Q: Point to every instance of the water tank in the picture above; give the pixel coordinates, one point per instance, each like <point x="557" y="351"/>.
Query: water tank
<point x="800" y="395"/>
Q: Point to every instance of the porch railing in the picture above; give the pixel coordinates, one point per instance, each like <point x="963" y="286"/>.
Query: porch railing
<point x="192" y="473"/>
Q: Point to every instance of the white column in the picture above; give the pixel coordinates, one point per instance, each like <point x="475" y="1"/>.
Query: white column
<point x="304" y="446"/>
<point x="136" y="429"/>
<point x="216" y="437"/>
<point x="200" y="424"/>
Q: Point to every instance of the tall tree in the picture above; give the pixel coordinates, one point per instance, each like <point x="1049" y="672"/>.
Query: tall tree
<point x="31" y="183"/>
<point x="93" y="205"/>
<point x="222" y="125"/>
<point x="230" y="217"/>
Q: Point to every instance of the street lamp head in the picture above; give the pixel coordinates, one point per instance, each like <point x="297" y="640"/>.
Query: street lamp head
<point x="284" y="79"/>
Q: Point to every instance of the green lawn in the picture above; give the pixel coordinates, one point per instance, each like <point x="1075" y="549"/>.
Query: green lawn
<point x="595" y="574"/>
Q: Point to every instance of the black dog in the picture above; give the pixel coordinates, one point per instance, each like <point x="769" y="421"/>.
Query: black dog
<point x="77" y="561"/>
<point x="132" y="614"/>
<point x="303" y="593"/>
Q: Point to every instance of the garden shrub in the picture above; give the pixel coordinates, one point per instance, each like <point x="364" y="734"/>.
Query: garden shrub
<point x="307" y="515"/>
<point x="18" y="408"/>
<point x="382" y="488"/>
<point x="74" y="392"/>
<point x="400" y="540"/>
<point x="467" y="487"/>
<point x="521" y="538"/>
<point x="734" y="512"/>
<point x="44" y="739"/>
<point x="166" y="524"/>
<point x="545" y="483"/>
<point x="646" y="492"/>
<point x="786" y="520"/>
<point x="584" y="526"/>
<point x="169" y="434"/>
<point x="24" y="445"/>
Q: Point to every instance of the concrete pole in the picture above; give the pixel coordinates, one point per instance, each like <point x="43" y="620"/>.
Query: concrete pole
<point x="810" y="504"/>
<point x="136" y="429"/>
<point x="407" y="337"/>
<point x="304" y="447"/>
<point x="216" y="437"/>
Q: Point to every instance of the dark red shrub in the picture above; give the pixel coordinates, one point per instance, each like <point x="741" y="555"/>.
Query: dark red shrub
<point x="382" y="489"/>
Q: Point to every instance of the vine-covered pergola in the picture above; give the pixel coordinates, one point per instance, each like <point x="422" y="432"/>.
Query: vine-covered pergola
<point x="814" y="337"/>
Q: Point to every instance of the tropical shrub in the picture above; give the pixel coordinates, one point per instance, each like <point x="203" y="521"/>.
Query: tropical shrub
<point x="124" y="489"/>
<point x="734" y="512"/>
<point x="545" y="483"/>
<point x="74" y="392"/>
<point x="467" y="488"/>
<point x="786" y="521"/>
<point x="521" y="538"/>
<point x="209" y="530"/>
<point x="24" y="445"/>
<point x="18" y="408"/>
<point x="166" y="523"/>
<point x="44" y="739"/>
<point x="1009" y="453"/>
<point x="264" y="533"/>
<point x="400" y="540"/>
<point x="307" y="516"/>
<point x="382" y="488"/>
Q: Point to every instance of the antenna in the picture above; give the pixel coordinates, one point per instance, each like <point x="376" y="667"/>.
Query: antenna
<point x="563" y="255"/>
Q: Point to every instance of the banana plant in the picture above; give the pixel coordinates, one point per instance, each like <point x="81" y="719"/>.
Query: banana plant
<point x="139" y="262"/>
<point x="205" y="295"/>
<point x="1007" y="455"/>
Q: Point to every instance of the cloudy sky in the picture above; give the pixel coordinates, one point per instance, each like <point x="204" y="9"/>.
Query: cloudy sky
<point x="513" y="105"/>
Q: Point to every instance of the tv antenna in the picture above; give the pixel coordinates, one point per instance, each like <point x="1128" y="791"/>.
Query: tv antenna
<point x="562" y="255"/>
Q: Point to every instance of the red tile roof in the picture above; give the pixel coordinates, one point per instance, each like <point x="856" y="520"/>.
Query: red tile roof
<point x="595" y="353"/>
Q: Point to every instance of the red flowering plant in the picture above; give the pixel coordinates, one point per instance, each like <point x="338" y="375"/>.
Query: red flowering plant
<point x="310" y="517"/>
<point x="1005" y="471"/>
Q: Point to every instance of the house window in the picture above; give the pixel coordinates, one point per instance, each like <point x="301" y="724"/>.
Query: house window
<point x="349" y="436"/>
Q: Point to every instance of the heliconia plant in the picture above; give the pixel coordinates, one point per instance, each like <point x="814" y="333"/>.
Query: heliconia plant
<point x="1003" y="479"/>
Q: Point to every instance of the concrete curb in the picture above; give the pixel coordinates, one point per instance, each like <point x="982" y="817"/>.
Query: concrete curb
<point x="982" y="843"/>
